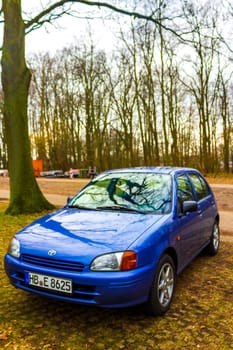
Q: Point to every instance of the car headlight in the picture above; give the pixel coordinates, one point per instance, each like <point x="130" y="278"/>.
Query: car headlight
<point x="120" y="261"/>
<point x="14" y="248"/>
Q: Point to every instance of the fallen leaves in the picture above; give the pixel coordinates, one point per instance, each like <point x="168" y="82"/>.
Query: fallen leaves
<point x="4" y="334"/>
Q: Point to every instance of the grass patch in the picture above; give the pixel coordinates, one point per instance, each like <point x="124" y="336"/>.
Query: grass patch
<point x="201" y="316"/>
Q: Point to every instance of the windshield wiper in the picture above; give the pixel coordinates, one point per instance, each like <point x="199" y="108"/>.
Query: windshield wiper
<point x="120" y="208"/>
<point x="80" y="207"/>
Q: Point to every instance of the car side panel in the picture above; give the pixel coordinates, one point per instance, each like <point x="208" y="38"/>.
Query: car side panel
<point x="208" y="212"/>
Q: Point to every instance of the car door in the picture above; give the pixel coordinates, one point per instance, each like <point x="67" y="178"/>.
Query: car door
<point x="189" y="226"/>
<point x="206" y="206"/>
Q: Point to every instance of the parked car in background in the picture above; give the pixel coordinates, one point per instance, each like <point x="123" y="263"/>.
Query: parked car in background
<point x="122" y="240"/>
<point x="4" y="172"/>
<point x="52" y="174"/>
<point x="73" y="173"/>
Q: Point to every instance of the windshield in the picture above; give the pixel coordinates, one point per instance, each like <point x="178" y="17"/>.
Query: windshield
<point x="144" y="192"/>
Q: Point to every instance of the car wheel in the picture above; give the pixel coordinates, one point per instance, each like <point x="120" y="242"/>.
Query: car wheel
<point x="213" y="246"/>
<point x="162" y="288"/>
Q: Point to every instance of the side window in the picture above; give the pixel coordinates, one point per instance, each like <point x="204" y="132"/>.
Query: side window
<point x="184" y="189"/>
<point x="184" y="192"/>
<point x="200" y="186"/>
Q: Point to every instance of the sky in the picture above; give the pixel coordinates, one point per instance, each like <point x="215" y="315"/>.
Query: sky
<point x="64" y="33"/>
<point x="66" y="30"/>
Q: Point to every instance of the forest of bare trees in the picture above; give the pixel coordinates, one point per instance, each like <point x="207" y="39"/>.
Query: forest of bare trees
<point x="156" y="100"/>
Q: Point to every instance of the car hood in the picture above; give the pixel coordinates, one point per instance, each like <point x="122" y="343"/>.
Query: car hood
<point x="73" y="233"/>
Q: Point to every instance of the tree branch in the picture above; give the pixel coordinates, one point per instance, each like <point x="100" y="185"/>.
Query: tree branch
<point x="40" y="19"/>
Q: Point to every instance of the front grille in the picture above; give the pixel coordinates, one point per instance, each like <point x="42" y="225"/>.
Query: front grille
<point x="53" y="263"/>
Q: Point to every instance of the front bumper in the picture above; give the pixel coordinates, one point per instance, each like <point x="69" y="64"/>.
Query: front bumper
<point x="106" y="289"/>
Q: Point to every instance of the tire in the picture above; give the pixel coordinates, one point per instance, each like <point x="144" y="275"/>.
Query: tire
<point x="162" y="288"/>
<point x="213" y="246"/>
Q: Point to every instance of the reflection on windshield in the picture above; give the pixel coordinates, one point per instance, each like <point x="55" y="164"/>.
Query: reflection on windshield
<point x="144" y="192"/>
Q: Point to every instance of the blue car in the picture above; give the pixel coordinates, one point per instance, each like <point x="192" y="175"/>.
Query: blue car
<point x="121" y="241"/>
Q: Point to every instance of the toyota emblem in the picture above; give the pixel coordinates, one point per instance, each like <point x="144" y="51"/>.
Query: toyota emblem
<point x="52" y="252"/>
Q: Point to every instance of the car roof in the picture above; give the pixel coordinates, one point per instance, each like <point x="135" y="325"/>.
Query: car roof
<point x="159" y="169"/>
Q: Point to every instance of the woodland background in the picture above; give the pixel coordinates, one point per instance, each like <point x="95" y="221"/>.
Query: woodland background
<point x="159" y="97"/>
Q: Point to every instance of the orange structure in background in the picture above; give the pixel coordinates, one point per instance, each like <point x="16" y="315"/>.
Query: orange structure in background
<point x="37" y="166"/>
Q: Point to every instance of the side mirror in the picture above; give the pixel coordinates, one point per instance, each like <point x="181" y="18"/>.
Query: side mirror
<point x="189" y="206"/>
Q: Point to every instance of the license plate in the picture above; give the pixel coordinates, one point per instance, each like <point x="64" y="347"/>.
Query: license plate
<point x="62" y="285"/>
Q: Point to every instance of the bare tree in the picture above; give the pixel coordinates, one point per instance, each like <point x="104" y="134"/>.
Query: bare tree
<point x="3" y="148"/>
<point x="202" y="82"/>
<point x="225" y="112"/>
<point x="25" y="195"/>
<point x="124" y="107"/>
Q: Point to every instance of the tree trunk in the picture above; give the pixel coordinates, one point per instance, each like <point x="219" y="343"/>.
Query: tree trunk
<point x="25" y="195"/>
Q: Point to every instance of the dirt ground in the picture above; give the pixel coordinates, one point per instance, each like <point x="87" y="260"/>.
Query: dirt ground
<point x="68" y="187"/>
